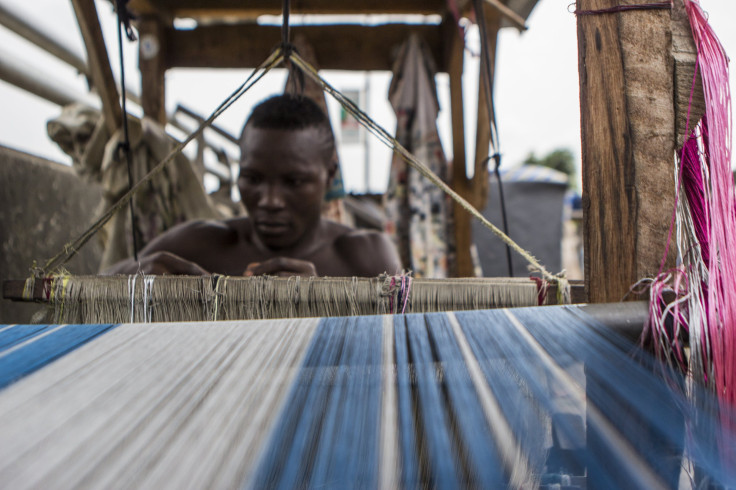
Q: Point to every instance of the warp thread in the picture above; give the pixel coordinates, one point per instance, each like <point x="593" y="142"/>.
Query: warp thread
<point x="476" y="399"/>
<point x="140" y="298"/>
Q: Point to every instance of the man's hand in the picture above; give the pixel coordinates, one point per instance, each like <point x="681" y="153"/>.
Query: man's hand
<point x="160" y="262"/>
<point x="281" y="266"/>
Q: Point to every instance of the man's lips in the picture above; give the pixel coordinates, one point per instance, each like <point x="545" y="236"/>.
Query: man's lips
<point x="272" y="227"/>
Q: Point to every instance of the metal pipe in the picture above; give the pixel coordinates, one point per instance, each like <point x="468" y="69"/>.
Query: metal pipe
<point x="15" y="22"/>
<point x="18" y="73"/>
<point x="627" y="318"/>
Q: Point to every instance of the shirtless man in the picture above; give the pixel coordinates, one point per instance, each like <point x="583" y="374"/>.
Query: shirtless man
<point x="285" y="168"/>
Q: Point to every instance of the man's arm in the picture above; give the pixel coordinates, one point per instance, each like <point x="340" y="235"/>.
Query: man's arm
<point x="169" y="253"/>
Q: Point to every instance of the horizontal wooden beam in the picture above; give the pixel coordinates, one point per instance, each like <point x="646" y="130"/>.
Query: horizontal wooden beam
<point x="337" y="47"/>
<point x="253" y="8"/>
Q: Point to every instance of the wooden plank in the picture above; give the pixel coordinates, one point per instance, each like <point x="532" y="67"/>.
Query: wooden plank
<point x="516" y="20"/>
<point x="627" y="132"/>
<point x="253" y="8"/>
<point x="152" y="64"/>
<point x="688" y="110"/>
<point x="99" y="64"/>
<point x="13" y="290"/>
<point x="338" y="47"/>
<point x="483" y="125"/>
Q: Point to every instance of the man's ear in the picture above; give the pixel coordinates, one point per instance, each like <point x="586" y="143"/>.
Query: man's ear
<point x="331" y="171"/>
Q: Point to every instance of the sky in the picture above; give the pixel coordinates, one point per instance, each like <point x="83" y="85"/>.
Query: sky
<point x="536" y="88"/>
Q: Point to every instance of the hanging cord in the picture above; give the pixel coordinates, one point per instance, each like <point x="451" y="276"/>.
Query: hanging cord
<point x="563" y="289"/>
<point x="496" y="157"/>
<point x="71" y="248"/>
<point x="285" y="28"/>
<point x="490" y="107"/>
<point x="296" y="77"/>
<point x="124" y="147"/>
<point x="124" y="17"/>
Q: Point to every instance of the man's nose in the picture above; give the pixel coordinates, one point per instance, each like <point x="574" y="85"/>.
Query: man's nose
<point x="271" y="198"/>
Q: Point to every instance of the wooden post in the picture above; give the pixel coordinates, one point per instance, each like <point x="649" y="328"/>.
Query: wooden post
<point x="459" y="181"/>
<point x="627" y="132"/>
<point x="483" y="126"/>
<point x="474" y="190"/>
<point x="152" y="63"/>
<point x="99" y="63"/>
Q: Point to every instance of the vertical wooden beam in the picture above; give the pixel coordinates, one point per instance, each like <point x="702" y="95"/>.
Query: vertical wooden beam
<point x="152" y="63"/>
<point x="455" y="50"/>
<point x="99" y="63"/>
<point x="627" y="132"/>
<point x="483" y="126"/>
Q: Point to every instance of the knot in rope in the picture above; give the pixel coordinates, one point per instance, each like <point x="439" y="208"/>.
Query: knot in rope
<point x="125" y="17"/>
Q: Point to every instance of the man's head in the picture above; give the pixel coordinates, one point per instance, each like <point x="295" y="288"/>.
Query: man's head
<point x="293" y="112"/>
<point x="285" y="168"/>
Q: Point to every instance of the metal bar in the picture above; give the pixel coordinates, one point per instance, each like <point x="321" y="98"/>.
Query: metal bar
<point x="18" y="73"/>
<point x="16" y="23"/>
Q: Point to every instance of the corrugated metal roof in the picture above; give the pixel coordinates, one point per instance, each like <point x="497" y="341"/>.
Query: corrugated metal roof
<point x="533" y="173"/>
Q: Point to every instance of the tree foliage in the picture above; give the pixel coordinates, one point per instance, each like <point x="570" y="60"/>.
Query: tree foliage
<point x="561" y="159"/>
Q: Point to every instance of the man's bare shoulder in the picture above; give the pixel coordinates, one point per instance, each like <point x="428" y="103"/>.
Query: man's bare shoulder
<point x="370" y="251"/>
<point x="183" y="235"/>
<point x="353" y="236"/>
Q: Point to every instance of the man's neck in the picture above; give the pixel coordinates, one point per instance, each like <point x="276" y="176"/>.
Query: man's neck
<point x="309" y="243"/>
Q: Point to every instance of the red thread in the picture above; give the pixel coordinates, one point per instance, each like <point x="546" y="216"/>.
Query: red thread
<point x="542" y="288"/>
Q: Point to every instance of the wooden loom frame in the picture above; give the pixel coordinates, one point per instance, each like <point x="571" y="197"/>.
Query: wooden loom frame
<point x="624" y="232"/>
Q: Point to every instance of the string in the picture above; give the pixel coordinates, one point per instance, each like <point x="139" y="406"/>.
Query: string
<point x="125" y="145"/>
<point x="496" y="157"/>
<point x="717" y="140"/>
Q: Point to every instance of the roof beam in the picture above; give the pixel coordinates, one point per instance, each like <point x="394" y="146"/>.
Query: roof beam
<point x="247" y="45"/>
<point x="99" y="64"/>
<point x="254" y="8"/>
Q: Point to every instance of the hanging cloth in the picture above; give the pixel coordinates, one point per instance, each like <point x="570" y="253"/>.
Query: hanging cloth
<point x="416" y="209"/>
<point x="174" y="196"/>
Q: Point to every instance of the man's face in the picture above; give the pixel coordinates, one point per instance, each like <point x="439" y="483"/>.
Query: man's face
<point x="283" y="178"/>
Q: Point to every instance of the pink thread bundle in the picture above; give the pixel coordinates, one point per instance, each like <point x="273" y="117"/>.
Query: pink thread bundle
<point x="719" y="219"/>
<point x="709" y="257"/>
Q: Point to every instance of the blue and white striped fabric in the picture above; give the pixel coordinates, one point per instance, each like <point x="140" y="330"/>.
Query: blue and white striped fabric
<point x="481" y="399"/>
<point x="25" y="348"/>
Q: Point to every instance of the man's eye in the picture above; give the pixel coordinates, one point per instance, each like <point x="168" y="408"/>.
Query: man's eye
<point x="295" y="182"/>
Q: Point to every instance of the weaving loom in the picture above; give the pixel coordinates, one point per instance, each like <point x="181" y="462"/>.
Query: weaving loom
<point x="469" y="399"/>
<point x="508" y="398"/>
